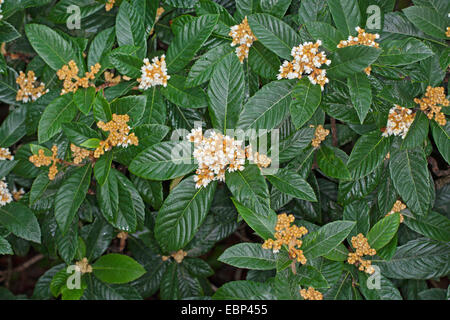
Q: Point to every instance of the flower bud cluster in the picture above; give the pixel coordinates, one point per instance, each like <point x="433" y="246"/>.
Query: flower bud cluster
<point x="84" y="266"/>
<point x="285" y="234"/>
<point x="5" y="195"/>
<point x="79" y="154"/>
<point x="5" y="154"/>
<point x="362" y="248"/>
<point x="311" y="294"/>
<point x="41" y="159"/>
<point x="119" y="134"/>
<point x="69" y="73"/>
<point x="109" y="4"/>
<point x="29" y="90"/>
<point x="398" y="206"/>
<point x="177" y="256"/>
<point x="243" y="37"/>
<point x="399" y="121"/>
<point x="432" y="103"/>
<point x="307" y="60"/>
<point x="319" y="135"/>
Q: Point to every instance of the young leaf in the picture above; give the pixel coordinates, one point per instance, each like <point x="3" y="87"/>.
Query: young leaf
<point x="117" y="268"/>
<point x="249" y="256"/>
<point x="383" y="231"/>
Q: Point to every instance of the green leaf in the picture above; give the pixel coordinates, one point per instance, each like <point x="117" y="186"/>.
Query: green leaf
<point x="268" y="107"/>
<point x="70" y="195"/>
<point x="403" y="52"/>
<point x="433" y="225"/>
<point x="329" y="35"/>
<point x="100" y="47"/>
<point x="203" y="68"/>
<point x="263" y="62"/>
<point x="417" y="132"/>
<point x="182" y="213"/>
<point x="102" y="109"/>
<point x="276" y="8"/>
<point x="5" y="247"/>
<point x="418" y="259"/>
<point x="346" y="15"/>
<point x="120" y="202"/>
<point x="331" y="164"/>
<point x="386" y="291"/>
<point x="274" y="34"/>
<point x="126" y="64"/>
<point x="409" y="173"/>
<point x="187" y="42"/>
<point x="441" y="136"/>
<point x="38" y="187"/>
<point x="8" y="86"/>
<point x="367" y="154"/>
<point x="21" y="221"/>
<point x="249" y="188"/>
<point x="383" y="231"/>
<point x="328" y="237"/>
<point x="102" y="168"/>
<point x="226" y="93"/>
<point x="130" y="28"/>
<point x="176" y="93"/>
<point x="244" y="290"/>
<point x="249" y="256"/>
<point x="78" y="133"/>
<point x="84" y="98"/>
<point x="61" y="110"/>
<point x="350" y="60"/>
<point x="360" y="93"/>
<point x="293" y="184"/>
<point x="358" y="211"/>
<point x="309" y="276"/>
<point x="8" y="32"/>
<point x="164" y="161"/>
<point x="117" y="268"/>
<point x="428" y="20"/>
<point x="134" y="106"/>
<point x="262" y="223"/>
<point x="307" y="97"/>
<point x="13" y="127"/>
<point x="55" y="50"/>
<point x="91" y="143"/>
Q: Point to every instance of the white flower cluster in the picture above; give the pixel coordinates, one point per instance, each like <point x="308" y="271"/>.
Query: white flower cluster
<point x="307" y="60"/>
<point x="363" y="38"/>
<point x="153" y="74"/>
<point x="5" y="154"/>
<point x="215" y="154"/>
<point x="5" y="195"/>
<point x="399" y="121"/>
<point x="243" y="37"/>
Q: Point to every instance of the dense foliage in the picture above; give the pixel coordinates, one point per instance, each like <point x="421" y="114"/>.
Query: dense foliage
<point x="326" y="176"/>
